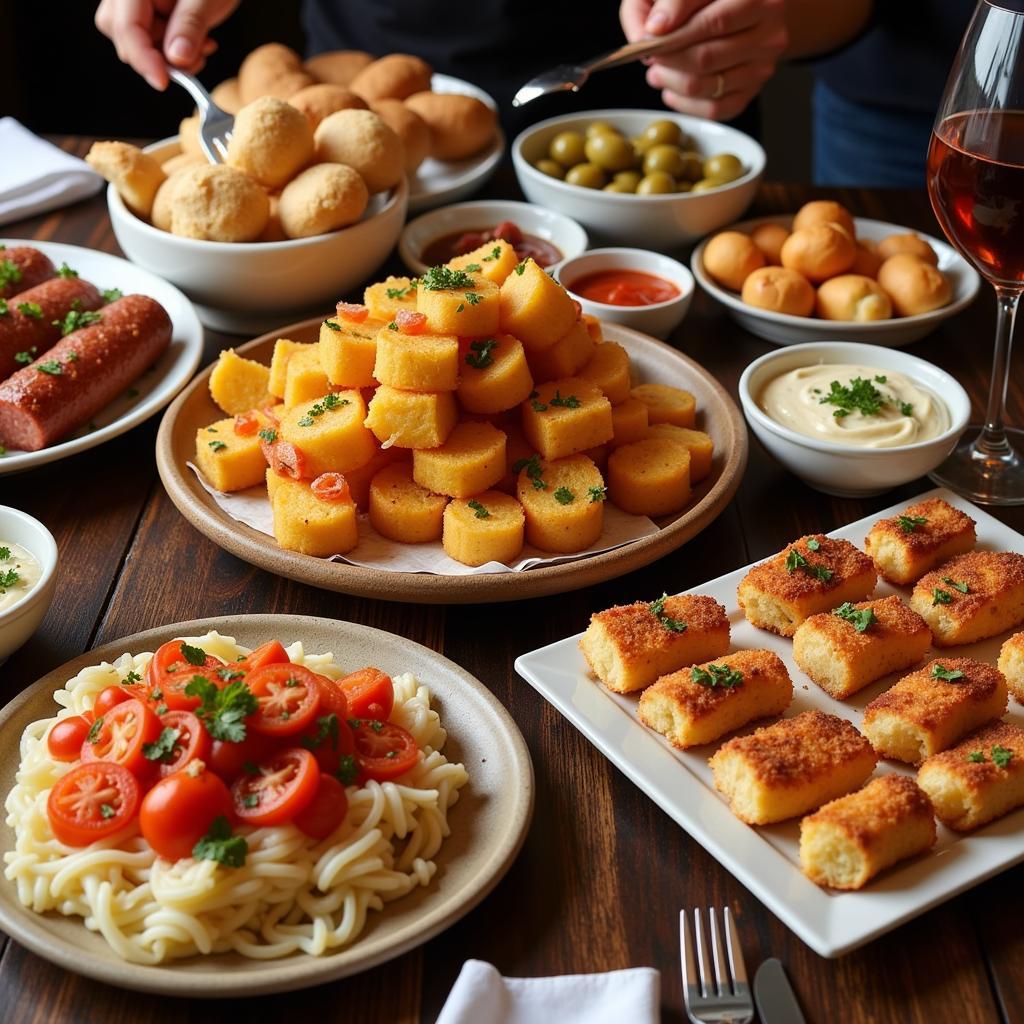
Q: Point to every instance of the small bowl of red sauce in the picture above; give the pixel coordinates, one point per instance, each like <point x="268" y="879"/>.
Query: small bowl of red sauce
<point x="533" y="231"/>
<point x="633" y="287"/>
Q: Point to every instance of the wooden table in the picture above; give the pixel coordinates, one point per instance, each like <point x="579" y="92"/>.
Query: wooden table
<point x="603" y="872"/>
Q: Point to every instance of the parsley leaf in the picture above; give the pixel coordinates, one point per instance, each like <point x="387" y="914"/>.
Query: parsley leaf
<point x="66" y="271"/>
<point x="861" y="618"/>
<point x="5" y="553"/>
<point x="794" y="561"/>
<point x="106" y="811"/>
<point x="444" y="279"/>
<point x="478" y="510"/>
<point x="52" y="367"/>
<point x="268" y="435"/>
<point x="326" y="728"/>
<point x="31" y="309"/>
<point x="1001" y="756"/>
<point x="657" y="609"/>
<point x="716" y="675"/>
<point x="193" y="655"/>
<point x="906" y="408"/>
<point x="961" y="586"/>
<point x="495" y="254"/>
<point x="564" y="496"/>
<point x="8" y="579"/>
<point x="473" y="268"/>
<point x="533" y="470"/>
<point x="976" y="756"/>
<point x="859" y="395"/>
<point x="94" y="730"/>
<point x="479" y="356"/>
<point x="217" y="445"/>
<point x="75" y="319"/>
<point x="473" y="298"/>
<point x="400" y="293"/>
<point x="519" y="268"/>
<point x="133" y="677"/>
<point x="163" y="748"/>
<point x="25" y="357"/>
<point x="223" y="712"/>
<point x="331" y="325"/>
<point x="949" y="675"/>
<point x="940" y="596"/>
<point x="569" y="402"/>
<point x="814" y="544"/>
<point x="10" y="272"/>
<point x="221" y="846"/>
<point x="596" y="493"/>
<point x="348" y="770"/>
<point x="4" y="308"/>
<point x="326" y="404"/>
<point x="111" y="295"/>
<point x="908" y="524"/>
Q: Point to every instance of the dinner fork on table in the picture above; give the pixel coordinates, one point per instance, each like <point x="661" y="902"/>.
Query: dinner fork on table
<point x="214" y="124"/>
<point x="719" y="993"/>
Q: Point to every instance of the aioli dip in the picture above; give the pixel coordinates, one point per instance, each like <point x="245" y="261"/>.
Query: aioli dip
<point x="867" y="407"/>
<point x="19" y="573"/>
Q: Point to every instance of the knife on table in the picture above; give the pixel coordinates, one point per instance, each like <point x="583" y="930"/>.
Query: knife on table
<point x="774" y="996"/>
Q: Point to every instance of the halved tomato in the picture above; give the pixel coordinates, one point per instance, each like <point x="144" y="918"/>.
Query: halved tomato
<point x="120" y="735"/>
<point x="288" y="699"/>
<point x="326" y="811"/>
<point x="66" y="736"/>
<point x="354" y="312"/>
<point x="91" y="802"/>
<point x="246" y="424"/>
<point x="173" y="667"/>
<point x="192" y="743"/>
<point x="411" y="322"/>
<point x="108" y="697"/>
<point x="370" y="693"/>
<point x="270" y="653"/>
<point x="229" y="759"/>
<point x="383" y="750"/>
<point x="331" y="487"/>
<point x="178" y="811"/>
<point x="281" y="787"/>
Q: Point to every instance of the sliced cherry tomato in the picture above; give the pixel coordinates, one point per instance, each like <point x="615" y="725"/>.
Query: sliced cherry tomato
<point x="170" y="671"/>
<point x="354" y="312"/>
<point x="331" y="487"/>
<point x="508" y="231"/>
<point x="179" y="810"/>
<point x="329" y="737"/>
<point x="411" y="322"/>
<point x="246" y="424"/>
<point x="91" y="802"/>
<point x="193" y="742"/>
<point x="370" y="693"/>
<point x="66" y="737"/>
<point x="270" y="411"/>
<point x="229" y="760"/>
<point x="287" y="460"/>
<point x="383" y="750"/>
<point x="281" y="787"/>
<point x="288" y="697"/>
<point x="326" y="811"/>
<point x="120" y="735"/>
<point x="108" y="698"/>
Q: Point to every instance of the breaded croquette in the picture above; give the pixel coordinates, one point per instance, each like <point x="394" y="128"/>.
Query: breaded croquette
<point x="1011" y="664"/>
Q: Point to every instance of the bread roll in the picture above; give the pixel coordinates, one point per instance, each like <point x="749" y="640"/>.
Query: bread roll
<point x="409" y="127"/>
<point x="393" y="77"/>
<point x="853" y="297"/>
<point x="867" y="261"/>
<point x="322" y="198"/>
<point x="135" y="175"/>
<point x="271" y="141"/>
<point x="779" y="290"/>
<point x="913" y="285"/>
<point x="317" y="101"/>
<point x="362" y="140"/>
<point x="824" y="211"/>
<point x="228" y="96"/>
<point x="820" y="251"/>
<point x="338" y="67"/>
<point x="769" y="238"/>
<point x="262" y="69"/>
<point x="219" y="203"/>
<point x="910" y="243"/>
<point x="163" y="203"/>
<point x="179" y="162"/>
<point x="730" y="256"/>
<point x="460" y="125"/>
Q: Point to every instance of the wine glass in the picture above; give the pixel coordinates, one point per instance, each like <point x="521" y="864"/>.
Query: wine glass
<point x="976" y="187"/>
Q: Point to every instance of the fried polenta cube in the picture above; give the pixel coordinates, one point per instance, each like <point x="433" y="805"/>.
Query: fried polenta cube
<point x="972" y="596"/>
<point x="348" y="351"/>
<point x="471" y="460"/>
<point x="487" y="528"/>
<point x="846" y="649"/>
<point x="228" y="460"/>
<point x="844" y="844"/>
<point x="570" y="353"/>
<point x="923" y="536"/>
<point x="493" y="260"/>
<point x="629" y="423"/>
<point x="978" y="780"/>
<point x="667" y="404"/>
<point x="629" y="646"/>
<point x="238" y="384"/>
<point x="307" y="524"/>
<point x="387" y="297"/>
<point x="402" y="510"/>
<point x="535" y="308"/>
<point x="283" y="352"/>
<point x="649" y="477"/>
<point x="417" y="362"/>
<point x="813" y="574"/>
<point x="458" y="303"/>
<point x="566" y="513"/>
<point x="494" y="375"/>
<point x="1011" y="664"/>
<point x="567" y="416"/>
<point x="305" y="378"/>
<point x="699" y="445"/>
<point x="518" y="452"/>
<point x="330" y="433"/>
<point x="932" y="708"/>
<point x="609" y="370"/>
<point x="412" y="419"/>
<point x="359" y="479"/>
<point x="791" y="767"/>
<point x="701" y="704"/>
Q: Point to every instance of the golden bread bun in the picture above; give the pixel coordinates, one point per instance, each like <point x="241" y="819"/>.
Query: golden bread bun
<point x="779" y="290"/>
<point x="913" y="285"/>
<point x="853" y="297"/>
<point x="317" y="101"/>
<point x="910" y="243"/>
<point x="322" y="198"/>
<point x="820" y="251"/>
<point x="730" y="256"/>
<point x="163" y="202"/>
<point x="769" y="238"/>
<point x="867" y="261"/>
<point x="393" y="77"/>
<point x="188" y="137"/>
<point x="264" y="67"/>
<point x="271" y="141"/>
<point x="409" y="127"/>
<point x="362" y="140"/>
<point x="824" y="211"/>
<point x="219" y="203"/>
<point x="460" y="125"/>
<point x="338" y="67"/>
<point x="135" y="175"/>
<point x="228" y="96"/>
<point x="175" y="163"/>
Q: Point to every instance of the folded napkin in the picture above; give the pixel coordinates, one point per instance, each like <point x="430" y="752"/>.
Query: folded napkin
<point x="482" y="996"/>
<point x="36" y="176"/>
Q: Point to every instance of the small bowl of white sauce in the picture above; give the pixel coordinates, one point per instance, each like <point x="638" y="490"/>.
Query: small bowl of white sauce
<point x="28" y="577"/>
<point x="851" y="419"/>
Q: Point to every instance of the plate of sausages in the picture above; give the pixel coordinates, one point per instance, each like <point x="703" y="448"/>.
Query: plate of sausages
<point x="90" y="346"/>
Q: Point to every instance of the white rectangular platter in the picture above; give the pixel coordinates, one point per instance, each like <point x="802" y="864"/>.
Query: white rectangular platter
<point x="765" y="859"/>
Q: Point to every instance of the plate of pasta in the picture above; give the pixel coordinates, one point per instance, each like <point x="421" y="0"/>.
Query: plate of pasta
<point x="220" y="807"/>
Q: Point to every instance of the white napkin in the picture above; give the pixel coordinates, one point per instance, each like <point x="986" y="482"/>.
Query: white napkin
<point x="36" y="176"/>
<point x="482" y="996"/>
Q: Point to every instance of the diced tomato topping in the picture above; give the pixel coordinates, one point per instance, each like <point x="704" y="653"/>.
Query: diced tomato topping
<point x="270" y="653"/>
<point x="331" y="487"/>
<point x="246" y="424"/>
<point x="411" y="322"/>
<point x="370" y="693"/>
<point x="288" y="460"/>
<point x="354" y="312"/>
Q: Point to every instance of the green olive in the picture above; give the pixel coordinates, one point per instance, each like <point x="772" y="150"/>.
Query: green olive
<point x="586" y="175"/>
<point x="617" y="186"/>
<point x="567" y="148"/>
<point x="612" y="152"/>
<point x="705" y="185"/>
<point x="552" y="168"/>
<point x="628" y="178"/>
<point x="723" y="167"/>
<point x="663" y="132"/>
<point x="664" y="158"/>
<point x="601" y="128"/>
<point x="684" y="186"/>
<point x="640" y="146"/>
<point x="693" y="166"/>
<point x="656" y="183"/>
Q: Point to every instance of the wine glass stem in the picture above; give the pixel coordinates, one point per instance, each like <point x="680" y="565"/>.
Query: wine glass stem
<point x="992" y="440"/>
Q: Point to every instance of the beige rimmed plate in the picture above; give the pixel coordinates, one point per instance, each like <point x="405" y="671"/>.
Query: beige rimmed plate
<point x="489" y="822"/>
<point x="653" y="361"/>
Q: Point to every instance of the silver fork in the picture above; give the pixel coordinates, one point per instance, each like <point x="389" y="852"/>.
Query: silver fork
<point x="214" y="124"/>
<point x="715" y="995"/>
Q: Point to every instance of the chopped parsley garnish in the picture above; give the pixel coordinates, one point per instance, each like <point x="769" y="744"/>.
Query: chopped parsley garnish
<point x="8" y="579"/>
<point x="1001" y="756"/>
<point x="221" y="846"/>
<point x="106" y="811"/>
<point x="716" y="675"/>
<point x="495" y="254"/>
<point x="519" y="268"/>
<point x="478" y="510"/>
<point x="10" y="272"/>
<point x="460" y="307"/>
<point x="444" y="279"/>
<point x="814" y="544"/>
<point x="94" y="730"/>
<point x="73" y="357"/>
<point x="133" y="677"/>
<point x="880" y="378"/>
<point x="940" y="596"/>
<point x="251" y="799"/>
<point x="111" y="295"/>
<point x="908" y="524"/>
<point x="31" y="309"/>
<point x="217" y="445"/>
<point x="657" y="609"/>
<point x="4" y="309"/>
<point x="193" y="655"/>
<point x="163" y="748"/>
<point x="223" y="712"/>
<point x="348" y="770"/>
<point x="976" y="756"/>
<point x="794" y="561"/>
<point x="564" y="496"/>
<point x="331" y="325"/>
<point x="326" y="404"/>
<point x="479" y="354"/>
<point x="533" y="470"/>
<point x="948" y="675"/>
<point x="66" y="271"/>
<point x="473" y="268"/>
<point x="861" y="619"/>
<point x="229" y="674"/>
<point x="5" y="553"/>
<point x="376" y="725"/>
<point x="538" y="406"/>
<point x="961" y="586"/>
<point x="569" y="402"/>
<point x="326" y="729"/>
<point x="596" y="493"/>
<point x="393" y="326"/>
<point x="52" y="367"/>
<point x="25" y="357"/>
<point x="267" y="434"/>
<point x="400" y="293"/>
<point x="473" y="298"/>
<point x="861" y="396"/>
<point x="906" y="409"/>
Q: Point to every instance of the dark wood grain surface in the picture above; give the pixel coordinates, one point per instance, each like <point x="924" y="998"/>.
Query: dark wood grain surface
<point x="604" y="871"/>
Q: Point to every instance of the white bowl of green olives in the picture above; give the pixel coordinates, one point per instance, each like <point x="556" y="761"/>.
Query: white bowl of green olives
<point x="651" y="178"/>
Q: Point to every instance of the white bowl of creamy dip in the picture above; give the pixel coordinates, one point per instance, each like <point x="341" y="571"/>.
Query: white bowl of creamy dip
<point x="28" y="577"/>
<point x="853" y="419"/>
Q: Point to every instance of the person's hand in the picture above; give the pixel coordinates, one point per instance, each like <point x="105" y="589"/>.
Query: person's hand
<point x="181" y="26"/>
<point x="728" y="50"/>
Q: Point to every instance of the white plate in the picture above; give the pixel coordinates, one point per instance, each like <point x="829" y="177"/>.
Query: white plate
<point x="157" y="386"/>
<point x="765" y="859"/>
<point x="438" y="182"/>
<point x="785" y="329"/>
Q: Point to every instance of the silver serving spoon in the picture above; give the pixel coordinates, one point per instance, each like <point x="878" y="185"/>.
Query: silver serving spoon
<point x="214" y="124"/>
<point x="572" y="77"/>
